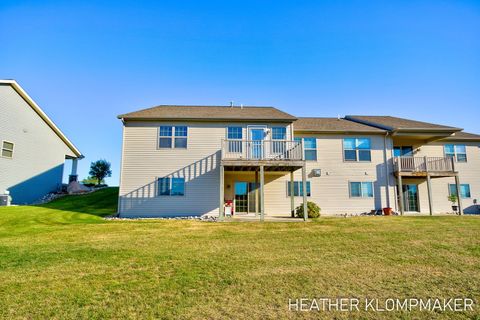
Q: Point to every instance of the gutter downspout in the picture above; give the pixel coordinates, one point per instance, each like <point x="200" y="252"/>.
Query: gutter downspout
<point x="387" y="171"/>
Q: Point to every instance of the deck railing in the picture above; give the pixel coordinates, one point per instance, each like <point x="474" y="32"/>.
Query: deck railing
<point x="262" y="150"/>
<point x="423" y="164"/>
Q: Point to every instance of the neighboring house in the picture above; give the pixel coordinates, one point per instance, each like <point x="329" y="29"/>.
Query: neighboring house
<point x="33" y="149"/>
<point x="191" y="160"/>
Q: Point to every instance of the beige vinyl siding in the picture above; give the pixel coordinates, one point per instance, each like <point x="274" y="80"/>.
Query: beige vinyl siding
<point x="469" y="173"/>
<point x="36" y="167"/>
<point x="143" y="162"/>
<point x="331" y="191"/>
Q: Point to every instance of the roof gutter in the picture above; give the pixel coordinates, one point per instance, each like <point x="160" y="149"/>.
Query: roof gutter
<point x="206" y="119"/>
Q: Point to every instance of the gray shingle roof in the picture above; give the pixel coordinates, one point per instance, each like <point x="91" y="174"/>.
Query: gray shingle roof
<point x="464" y="136"/>
<point x="332" y="125"/>
<point x="179" y="112"/>
<point x="395" y="123"/>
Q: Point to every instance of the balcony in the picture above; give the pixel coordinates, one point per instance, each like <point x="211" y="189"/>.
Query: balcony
<point x="421" y="166"/>
<point x="259" y="150"/>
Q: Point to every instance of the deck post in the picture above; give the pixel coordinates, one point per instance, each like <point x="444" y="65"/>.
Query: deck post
<point x="457" y="184"/>
<point x="429" y="186"/>
<point x="400" y="193"/>
<point x="304" y="183"/>
<point x="221" y="212"/>
<point x="459" y="199"/>
<point x="262" y="193"/>
<point x="292" y="194"/>
<point x="256" y="194"/>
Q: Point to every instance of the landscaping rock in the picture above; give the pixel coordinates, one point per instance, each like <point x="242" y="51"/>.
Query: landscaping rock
<point x="206" y="218"/>
<point x="76" y="187"/>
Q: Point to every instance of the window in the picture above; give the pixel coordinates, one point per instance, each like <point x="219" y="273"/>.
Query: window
<point x="464" y="190"/>
<point x="309" y="148"/>
<point x="361" y="189"/>
<point x="458" y="151"/>
<point x="173" y="137"/>
<point x="171" y="186"/>
<point x="298" y="189"/>
<point x="235" y="133"/>
<point x="7" y="149"/>
<point x="279" y="133"/>
<point x="403" y="151"/>
<point x="356" y="149"/>
<point x="181" y="137"/>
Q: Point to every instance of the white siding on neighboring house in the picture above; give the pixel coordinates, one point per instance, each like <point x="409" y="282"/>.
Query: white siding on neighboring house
<point x="39" y="154"/>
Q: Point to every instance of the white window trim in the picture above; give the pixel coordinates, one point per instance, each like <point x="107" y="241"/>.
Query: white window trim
<point x="170" y="189"/>
<point x="455" y="152"/>
<point x="226" y="132"/>
<point x="172" y="137"/>
<point x="361" y="190"/>
<point x="469" y="189"/>
<point x="258" y="126"/>
<point x="302" y="141"/>
<point x="2" y="148"/>
<point x="299" y="196"/>
<point x="356" y="151"/>
<point x="281" y="127"/>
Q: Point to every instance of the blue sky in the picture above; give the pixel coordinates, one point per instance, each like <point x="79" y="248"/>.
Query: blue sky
<point x="86" y="62"/>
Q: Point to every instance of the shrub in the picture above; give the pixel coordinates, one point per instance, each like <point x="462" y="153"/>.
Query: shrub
<point x="313" y="210"/>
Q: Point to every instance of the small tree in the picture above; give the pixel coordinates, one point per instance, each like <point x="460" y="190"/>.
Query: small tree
<point x="100" y="169"/>
<point x="313" y="210"/>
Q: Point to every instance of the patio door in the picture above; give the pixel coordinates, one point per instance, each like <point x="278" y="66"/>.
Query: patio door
<point x="410" y="197"/>
<point x="256" y="135"/>
<point x="246" y="196"/>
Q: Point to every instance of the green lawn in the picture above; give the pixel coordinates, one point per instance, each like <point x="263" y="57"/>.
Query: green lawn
<point x="62" y="260"/>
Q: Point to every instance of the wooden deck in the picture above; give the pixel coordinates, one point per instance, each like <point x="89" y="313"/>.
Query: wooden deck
<point x="269" y="165"/>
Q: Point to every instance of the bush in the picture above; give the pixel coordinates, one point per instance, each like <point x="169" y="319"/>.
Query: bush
<point x="313" y="210"/>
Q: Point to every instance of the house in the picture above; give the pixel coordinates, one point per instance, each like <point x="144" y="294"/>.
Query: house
<point x="195" y="160"/>
<point x="33" y="149"/>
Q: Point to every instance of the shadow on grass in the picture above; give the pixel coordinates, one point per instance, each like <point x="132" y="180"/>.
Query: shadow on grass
<point x="99" y="203"/>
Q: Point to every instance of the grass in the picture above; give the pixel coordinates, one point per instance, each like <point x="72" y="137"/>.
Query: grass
<point x="62" y="260"/>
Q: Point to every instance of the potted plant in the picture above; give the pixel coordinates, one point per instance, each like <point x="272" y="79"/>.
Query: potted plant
<point x="387" y="211"/>
<point x="453" y="199"/>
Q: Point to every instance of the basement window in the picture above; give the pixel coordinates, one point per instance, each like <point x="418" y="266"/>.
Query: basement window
<point x="298" y="189"/>
<point x="464" y="190"/>
<point x="170" y="186"/>
<point x="361" y="190"/>
<point x="7" y="149"/>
